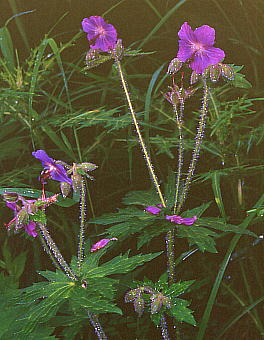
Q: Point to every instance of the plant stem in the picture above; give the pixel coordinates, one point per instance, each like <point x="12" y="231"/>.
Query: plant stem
<point x="82" y="224"/>
<point x="196" y="150"/>
<point x="56" y="253"/>
<point x="179" y="120"/>
<point x="164" y="328"/>
<point x="97" y="326"/>
<point x="141" y="141"/>
<point x="170" y="256"/>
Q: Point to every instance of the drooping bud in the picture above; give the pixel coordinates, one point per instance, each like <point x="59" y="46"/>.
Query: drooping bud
<point x="91" y="57"/>
<point x="21" y="218"/>
<point x="156" y="303"/>
<point x="131" y="295"/>
<point x="118" y="50"/>
<point x="76" y="181"/>
<point x="194" y="77"/>
<point x="215" y="72"/>
<point x="86" y="166"/>
<point x="174" y="66"/>
<point x="65" y="189"/>
<point x="139" y="305"/>
<point x="227" y="72"/>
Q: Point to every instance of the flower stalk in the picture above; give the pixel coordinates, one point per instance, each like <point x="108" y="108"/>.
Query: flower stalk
<point x="197" y="147"/>
<point x="55" y="252"/>
<point x="82" y="224"/>
<point x="141" y="141"/>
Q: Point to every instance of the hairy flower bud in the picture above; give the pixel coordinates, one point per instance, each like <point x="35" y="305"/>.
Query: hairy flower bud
<point x="174" y="66"/>
<point x="76" y="181"/>
<point x="65" y="189"/>
<point x="131" y="295"/>
<point x="227" y="72"/>
<point x="215" y="72"/>
<point x="118" y="50"/>
<point x="139" y="305"/>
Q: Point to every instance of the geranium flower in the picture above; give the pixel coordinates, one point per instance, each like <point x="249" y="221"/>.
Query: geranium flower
<point x="51" y="168"/>
<point x="102" y="243"/>
<point x="196" y="47"/>
<point x="21" y="219"/>
<point x="181" y="220"/>
<point x="102" y="36"/>
<point x="172" y="218"/>
<point x="154" y="210"/>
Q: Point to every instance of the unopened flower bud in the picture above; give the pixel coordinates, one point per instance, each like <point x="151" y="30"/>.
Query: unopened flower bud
<point x="174" y="66"/>
<point x="76" y="181"/>
<point x="86" y="166"/>
<point x="194" y="77"/>
<point x="21" y="218"/>
<point x="227" y="72"/>
<point x="118" y="50"/>
<point x="156" y="303"/>
<point x="215" y="72"/>
<point x="131" y="295"/>
<point x="139" y="305"/>
<point x="65" y="189"/>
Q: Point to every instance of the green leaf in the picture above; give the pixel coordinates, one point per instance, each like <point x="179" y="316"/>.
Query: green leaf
<point x="200" y="236"/>
<point x="181" y="313"/>
<point x="143" y="198"/>
<point x="119" y="264"/>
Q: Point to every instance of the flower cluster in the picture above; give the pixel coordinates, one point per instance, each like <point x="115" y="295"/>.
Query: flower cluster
<point x="158" y="300"/>
<point x="24" y="211"/>
<point x="101" y="244"/>
<point x="172" y="218"/>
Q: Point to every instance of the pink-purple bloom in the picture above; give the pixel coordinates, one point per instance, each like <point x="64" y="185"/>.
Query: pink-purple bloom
<point x="196" y="47"/>
<point x="51" y="168"/>
<point x="21" y="217"/>
<point x="102" y="243"/>
<point x="172" y="218"/>
<point x="101" y="35"/>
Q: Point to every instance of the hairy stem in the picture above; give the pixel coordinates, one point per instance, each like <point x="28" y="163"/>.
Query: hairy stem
<point x="55" y="252"/>
<point x="197" y="147"/>
<point x="82" y="224"/>
<point x="170" y="256"/>
<point x="164" y="328"/>
<point x="179" y="120"/>
<point x="141" y="141"/>
<point x="97" y="326"/>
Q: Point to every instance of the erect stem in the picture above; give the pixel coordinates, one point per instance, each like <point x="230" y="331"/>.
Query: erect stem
<point x="141" y="141"/>
<point x="196" y="150"/>
<point x="97" y="326"/>
<point x="55" y="252"/>
<point x="82" y="224"/>
<point x="179" y="120"/>
<point x="164" y="328"/>
<point x="170" y="256"/>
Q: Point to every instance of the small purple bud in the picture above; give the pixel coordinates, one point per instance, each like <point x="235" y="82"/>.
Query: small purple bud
<point x="101" y="244"/>
<point x="153" y="210"/>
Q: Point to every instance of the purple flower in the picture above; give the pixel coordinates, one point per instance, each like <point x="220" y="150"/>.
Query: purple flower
<point x="102" y="36"/>
<point x="181" y="220"/>
<point x="51" y="168"/>
<point x="172" y="218"/>
<point x="21" y="219"/>
<point x="153" y="210"/>
<point x="197" y="47"/>
<point x="102" y="243"/>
